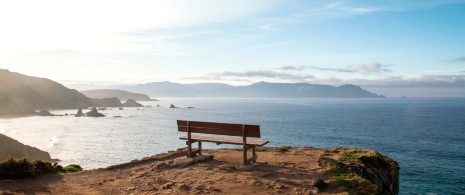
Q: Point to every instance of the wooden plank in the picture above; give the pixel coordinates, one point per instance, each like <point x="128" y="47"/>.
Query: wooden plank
<point x="219" y="128"/>
<point x="226" y="140"/>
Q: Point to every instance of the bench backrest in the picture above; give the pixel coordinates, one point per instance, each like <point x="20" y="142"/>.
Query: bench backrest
<point x="219" y="128"/>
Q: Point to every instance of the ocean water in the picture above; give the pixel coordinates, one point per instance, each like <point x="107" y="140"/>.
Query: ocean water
<point x="426" y="136"/>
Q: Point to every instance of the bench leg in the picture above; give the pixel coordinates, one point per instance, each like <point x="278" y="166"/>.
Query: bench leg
<point x="254" y="154"/>
<point x="200" y="148"/>
<point x="189" y="149"/>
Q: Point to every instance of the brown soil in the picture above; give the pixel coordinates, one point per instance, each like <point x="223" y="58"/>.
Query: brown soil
<point x="282" y="171"/>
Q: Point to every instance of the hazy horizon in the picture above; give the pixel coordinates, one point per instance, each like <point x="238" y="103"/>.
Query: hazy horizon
<point x="391" y="48"/>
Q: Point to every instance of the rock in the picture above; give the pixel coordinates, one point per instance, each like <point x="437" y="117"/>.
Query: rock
<point x="200" y="187"/>
<point x="183" y="187"/>
<point x="45" y="113"/>
<point x="167" y="186"/>
<point x="188" y="161"/>
<point x="79" y="113"/>
<point x="172" y="106"/>
<point x="132" y="103"/>
<point x="380" y="170"/>
<point x="161" y="181"/>
<point x="94" y="113"/>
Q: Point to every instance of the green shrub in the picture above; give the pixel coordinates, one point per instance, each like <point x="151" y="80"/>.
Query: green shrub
<point x="70" y="169"/>
<point x="22" y="168"/>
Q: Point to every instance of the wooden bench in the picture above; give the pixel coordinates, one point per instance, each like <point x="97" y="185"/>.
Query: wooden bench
<point x="228" y="129"/>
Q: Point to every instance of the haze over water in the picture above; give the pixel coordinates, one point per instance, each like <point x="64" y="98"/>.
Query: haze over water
<point x="425" y="136"/>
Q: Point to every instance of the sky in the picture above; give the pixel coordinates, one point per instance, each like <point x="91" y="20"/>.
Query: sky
<point x="391" y="47"/>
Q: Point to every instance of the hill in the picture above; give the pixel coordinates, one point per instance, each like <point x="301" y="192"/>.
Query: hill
<point x="256" y="90"/>
<point x="21" y="94"/>
<point x="15" y="149"/>
<point x="120" y="94"/>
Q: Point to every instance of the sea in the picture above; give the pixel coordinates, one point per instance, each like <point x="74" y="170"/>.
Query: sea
<point x="426" y="136"/>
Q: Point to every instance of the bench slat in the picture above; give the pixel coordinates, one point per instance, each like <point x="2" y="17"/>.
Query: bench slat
<point x="225" y="140"/>
<point x="219" y="128"/>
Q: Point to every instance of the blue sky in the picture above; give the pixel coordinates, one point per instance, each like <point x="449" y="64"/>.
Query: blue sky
<point x="394" y="48"/>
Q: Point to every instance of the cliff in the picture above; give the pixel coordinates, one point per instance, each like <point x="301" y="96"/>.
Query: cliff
<point x="11" y="147"/>
<point x="283" y="170"/>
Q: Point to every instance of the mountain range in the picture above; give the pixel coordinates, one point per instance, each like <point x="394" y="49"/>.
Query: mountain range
<point x="256" y="90"/>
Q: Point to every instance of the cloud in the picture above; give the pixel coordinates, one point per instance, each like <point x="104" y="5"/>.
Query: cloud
<point x="459" y="59"/>
<point x="370" y="68"/>
<point x="422" y="81"/>
<point x="261" y="74"/>
<point x="254" y="75"/>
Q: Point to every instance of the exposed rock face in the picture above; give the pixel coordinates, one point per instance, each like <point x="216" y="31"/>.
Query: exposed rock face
<point x="11" y="147"/>
<point x="132" y="103"/>
<point x="94" y="113"/>
<point x="379" y="169"/>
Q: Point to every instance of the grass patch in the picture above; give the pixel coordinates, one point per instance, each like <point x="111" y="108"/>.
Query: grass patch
<point x="354" y="154"/>
<point x="68" y="169"/>
<point x="347" y="179"/>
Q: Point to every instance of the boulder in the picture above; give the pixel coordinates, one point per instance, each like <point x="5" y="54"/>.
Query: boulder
<point x="172" y="106"/>
<point x="94" y="113"/>
<point x="132" y="103"/>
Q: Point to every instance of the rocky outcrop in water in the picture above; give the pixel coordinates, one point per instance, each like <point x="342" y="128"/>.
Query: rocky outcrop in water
<point x="132" y="103"/>
<point x="45" y="113"/>
<point x="11" y="147"/>
<point x="94" y="113"/>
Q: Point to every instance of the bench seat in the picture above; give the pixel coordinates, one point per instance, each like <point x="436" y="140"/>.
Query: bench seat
<point x="225" y="140"/>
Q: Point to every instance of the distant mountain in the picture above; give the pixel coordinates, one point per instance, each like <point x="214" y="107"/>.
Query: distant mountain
<point x="120" y="94"/>
<point x="256" y="90"/>
<point x="21" y="94"/>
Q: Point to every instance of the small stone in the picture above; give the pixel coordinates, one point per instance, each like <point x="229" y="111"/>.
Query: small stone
<point x="200" y="187"/>
<point x="184" y="187"/>
<point x="161" y="181"/>
<point x="167" y="186"/>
